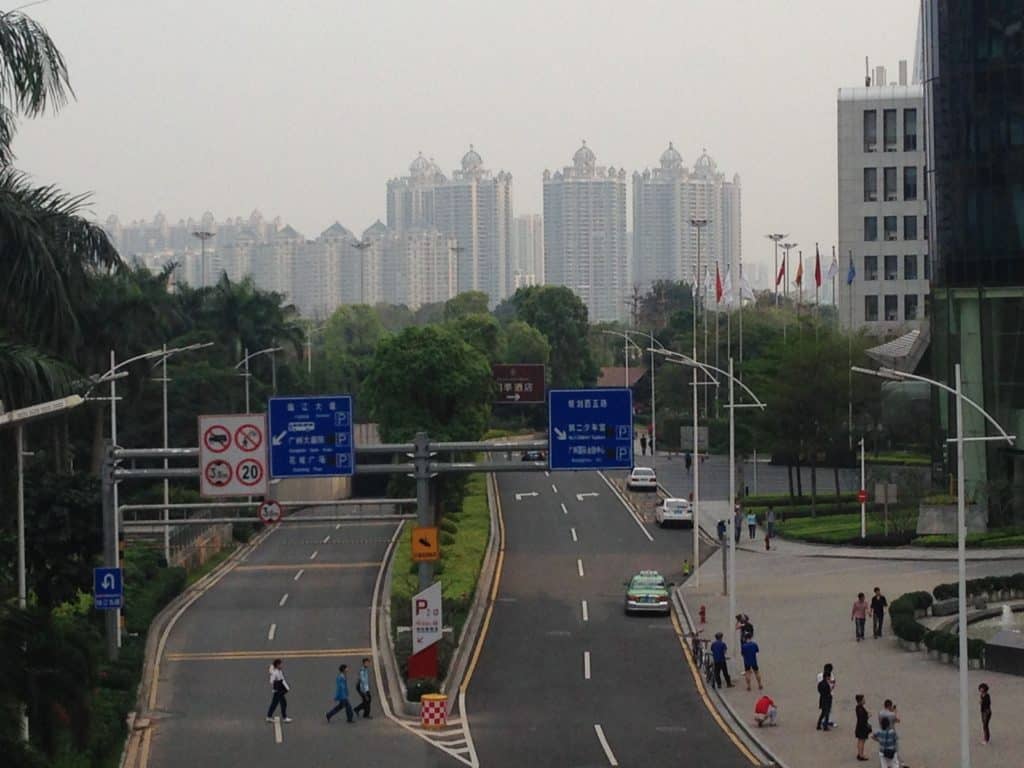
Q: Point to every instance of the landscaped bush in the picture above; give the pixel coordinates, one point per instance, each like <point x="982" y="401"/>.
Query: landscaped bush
<point x="784" y="500"/>
<point x="986" y="585"/>
<point x="907" y="628"/>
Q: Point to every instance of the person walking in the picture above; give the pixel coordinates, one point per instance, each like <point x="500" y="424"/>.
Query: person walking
<point x="888" y="744"/>
<point x="280" y="696"/>
<point x="863" y="728"/>
<point x="769" y="522"/>
<point x="859" y="615"/>
<point x="341" y="696"/>
<point x="825" y="700"/>
<point x="765" y="711"/>
<point x="986" y="711"/>
<point x="878" y="606"/>
<point x="643" y="445"/>
<point x="720" y="527"/>
<point x="689" y="462"/>
<point x="737" y="523"/>
<point x="718" y="651"/>
<point x="749" y="651"/>
<point x="363" y="689"/>
<point x="752" y="525"/>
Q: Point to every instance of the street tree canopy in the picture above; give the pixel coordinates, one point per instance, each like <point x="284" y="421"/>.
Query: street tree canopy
<point x="561" y="316"/>
<point x="525" y="344"/>
<point x="466" y="303"/>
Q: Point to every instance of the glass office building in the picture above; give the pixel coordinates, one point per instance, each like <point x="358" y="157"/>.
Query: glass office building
<point x="972" y="65"/>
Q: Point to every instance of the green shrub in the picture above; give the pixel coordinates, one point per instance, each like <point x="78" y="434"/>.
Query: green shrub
<point x="449" y="526"/>
<point x="447" y="539"/>
<point x="930" y="639"/>
<point x="939" y="498"/>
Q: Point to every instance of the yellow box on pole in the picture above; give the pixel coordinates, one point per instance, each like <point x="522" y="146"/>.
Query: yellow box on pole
<point x="425" y="544"/>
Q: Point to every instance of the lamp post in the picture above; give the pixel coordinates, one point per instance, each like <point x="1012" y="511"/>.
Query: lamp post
<point x="961" y="523"/>
<point x="245" y="362"/>
<point x="309" y="347"/>
<point x="699" y="225"/>
<point x="775" y="237"/>
<point x="627" y="336"/>
<point x="361" y="246"/>
<point x="203" y="236"/>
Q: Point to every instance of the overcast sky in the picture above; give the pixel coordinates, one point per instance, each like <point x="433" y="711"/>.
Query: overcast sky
<point x="304" y="108"/>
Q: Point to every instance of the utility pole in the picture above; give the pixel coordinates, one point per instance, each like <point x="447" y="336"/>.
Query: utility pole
<point x="203" y="236"/>
<point x="699" y="225"/>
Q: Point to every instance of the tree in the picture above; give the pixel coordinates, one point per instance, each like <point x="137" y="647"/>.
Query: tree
<point x="482" y="332"/>
<point x="561" y="316"/>
<point x="350" y="341"/>
<point x="525" y="344"/>
<point x="665" y="298"/>
<point x="466" y="303"/>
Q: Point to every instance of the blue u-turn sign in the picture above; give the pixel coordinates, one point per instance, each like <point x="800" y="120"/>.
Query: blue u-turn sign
<point x="107" y="588"/>
<point x="590" y="429"/>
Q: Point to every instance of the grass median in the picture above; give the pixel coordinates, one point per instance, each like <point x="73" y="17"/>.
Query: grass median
<point x="464" y="536"/>
<point x="832" y="529"/>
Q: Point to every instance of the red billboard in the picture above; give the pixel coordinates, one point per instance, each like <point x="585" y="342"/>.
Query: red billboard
<point x="519" y="383"/>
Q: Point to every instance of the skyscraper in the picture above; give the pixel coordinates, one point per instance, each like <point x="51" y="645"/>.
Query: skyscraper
<point x="527" y="251"/>
<point x="585" y="234"/>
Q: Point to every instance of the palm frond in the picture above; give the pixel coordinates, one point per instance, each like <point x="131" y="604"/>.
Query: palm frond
<point x="29" y="376"/>
<point x="33" y="73"/>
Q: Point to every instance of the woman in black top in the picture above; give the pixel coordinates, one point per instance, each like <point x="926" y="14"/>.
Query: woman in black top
<point x="986" y="711"/>
<point x="863" y="728"/>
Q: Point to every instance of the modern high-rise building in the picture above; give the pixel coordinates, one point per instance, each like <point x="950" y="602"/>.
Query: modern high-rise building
<point x="585" y="234"/>
<point x="527" y="251"/>
<point x="973" y="70"/>
<point x="665" y="200"/>
<point x="882" y="206"/>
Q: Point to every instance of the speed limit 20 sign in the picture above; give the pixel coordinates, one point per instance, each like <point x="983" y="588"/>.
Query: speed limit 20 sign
<point x="233" y="455"/>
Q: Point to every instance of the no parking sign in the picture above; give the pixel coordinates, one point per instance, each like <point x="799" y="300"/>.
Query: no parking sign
<point x="233" y="455"/>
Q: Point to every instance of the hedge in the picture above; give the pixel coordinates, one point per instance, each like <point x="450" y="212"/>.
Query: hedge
<point x="785" y="500"/>
<point x="986" y="585"/>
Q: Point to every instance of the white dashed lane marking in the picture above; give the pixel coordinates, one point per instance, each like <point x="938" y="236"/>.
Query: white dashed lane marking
<point x="579" y="566"/>
<point x="283" y="600"/>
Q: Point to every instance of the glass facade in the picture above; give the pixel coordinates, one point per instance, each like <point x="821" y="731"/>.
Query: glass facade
<point x="973" y="58"/>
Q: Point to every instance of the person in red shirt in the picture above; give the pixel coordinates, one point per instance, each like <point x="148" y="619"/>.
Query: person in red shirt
<point x="765" y="711"/>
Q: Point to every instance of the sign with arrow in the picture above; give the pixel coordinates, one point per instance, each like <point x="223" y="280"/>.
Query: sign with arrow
<point x="521" y="496"/>
<point x="311" y="436"/>
<point x="582" y="496"/>
<point x="426" y="617"/>
<point x="519" y="383"/>
<point x="590" y="429"/>
<point x="107" y="588"/>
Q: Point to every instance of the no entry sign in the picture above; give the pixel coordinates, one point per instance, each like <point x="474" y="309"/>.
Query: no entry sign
<point x="233" y="455"/>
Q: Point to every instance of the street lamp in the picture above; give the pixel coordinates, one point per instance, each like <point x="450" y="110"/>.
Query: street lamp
<point x="699" y="225"/>
<point x="775" y="237"/>
<point x="203" y="236"/>
<point x="245" y="361"/>
<point x="961" y="522"/>
<point x="309" y="346"/>
<point x="361" y="246"/>
<point x="627" y="336"/>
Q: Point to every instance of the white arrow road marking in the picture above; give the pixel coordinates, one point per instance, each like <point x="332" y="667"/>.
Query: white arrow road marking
<point x="283" y="600"/>
<point x="579" y="565"/>
<point x="521" y="496"/>
<point x="278" y="735"/>
<point x="573" y="531"/>
<point x="604" y="745"/>
<point x="582" y="496"/>
<point x="299" y="574"/>
<point x="277" y="440"/>
<point x="272" y="632"/>
<point x="586" y="613"/>
<point x="586" y="665"/>
<point x="560" y="434"/>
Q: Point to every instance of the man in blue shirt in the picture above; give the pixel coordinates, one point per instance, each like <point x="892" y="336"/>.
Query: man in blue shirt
<point x="341" y="695"/>
<point x="363" y="689"/>
<point x="749" y="651"/>
<point x="718" y="649"/>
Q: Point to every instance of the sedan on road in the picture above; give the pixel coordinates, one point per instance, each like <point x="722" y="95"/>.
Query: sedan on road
<point x="647" y="592"/>
<point x="674" y="512"/>
<point x="534" y="456"/>
<point x="642" y="479"/>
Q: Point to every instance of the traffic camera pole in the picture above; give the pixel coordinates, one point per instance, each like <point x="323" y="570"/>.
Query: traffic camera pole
<point x="424" y="515"/>
<point x="110" y="617"/>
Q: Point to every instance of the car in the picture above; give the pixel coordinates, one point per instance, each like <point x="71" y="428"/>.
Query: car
<point x="534" y="456"/>
<point x="647" y="592"/>
<point x="674" y="512"/>
<point x="642" y="479"/>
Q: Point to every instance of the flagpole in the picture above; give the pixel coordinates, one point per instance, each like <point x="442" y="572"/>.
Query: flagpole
<point x="835" y="272"/>
<point x="849" y="358"/>
<point x="718" y="318"/>
<point x="817" y="288"/>
<point x="705" y="313"/>
<point x="741" y="313"/>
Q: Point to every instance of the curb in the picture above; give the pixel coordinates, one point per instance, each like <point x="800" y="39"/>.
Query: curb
<point x="728" y="713"/>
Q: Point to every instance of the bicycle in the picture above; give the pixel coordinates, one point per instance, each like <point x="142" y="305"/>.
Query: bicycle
<point x="703" y="657"/>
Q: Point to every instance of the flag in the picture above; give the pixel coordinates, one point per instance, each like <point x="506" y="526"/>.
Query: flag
<point x="746" y="292"/>
<point x="718" y="285"/>
<point x="833" y="268"/>
<point x="782" y="272"/>
<point x="851" y="272"/>
<point x="727" y="290"/>
<point x="709" y="282"/>
<point x="817" y="266"/>
<point x="800" y="273"/>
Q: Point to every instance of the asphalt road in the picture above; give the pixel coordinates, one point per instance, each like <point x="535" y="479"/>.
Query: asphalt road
<point x="304" y="594"/>
<point x="530" y="701"/>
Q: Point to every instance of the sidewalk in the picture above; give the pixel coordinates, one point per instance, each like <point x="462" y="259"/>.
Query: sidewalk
<point x="799" y="599"/>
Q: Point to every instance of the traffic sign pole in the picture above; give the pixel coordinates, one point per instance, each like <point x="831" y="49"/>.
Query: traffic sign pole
<point x="862" y="495"/>
<point x="424" y="515"/>
<point x="110" y="618"/>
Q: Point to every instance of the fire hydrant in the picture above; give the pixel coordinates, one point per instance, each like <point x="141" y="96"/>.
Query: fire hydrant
<point x="703" y="614"/>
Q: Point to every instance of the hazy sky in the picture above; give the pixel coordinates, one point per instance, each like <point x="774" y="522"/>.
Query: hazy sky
<point x="304" y="108"/>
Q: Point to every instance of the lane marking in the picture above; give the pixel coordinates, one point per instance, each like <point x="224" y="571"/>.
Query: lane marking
<point x="337" y="527"/>
<point x="299" y="574"/>
<point x="326" y="539"/>
<point x="278" y="733"/>
<point x="546" y="473"/>
<point x="573" y="531"/>
<point x="625" y="503"/>
<point x="579" y="565"/>
<point x="313" y="653"/>
<point x="554" y="488"/>
<point x="604" y="745"/>
<point x="272" y="632"/>
<point x="586" y="613"/>
<point x="313" y="556"/>
<point x="308" y="567"/>
<point x="283" y="600"/>
<point x="586" y="665"/>
<point x="490" y="603"/>
<point x="564" y="510"/>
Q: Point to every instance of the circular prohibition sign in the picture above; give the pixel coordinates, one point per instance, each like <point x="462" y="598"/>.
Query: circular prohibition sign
<point x="217" y="438"/>
<point x="218" y="473"/>
<point x="270" y="512"/>
<point x="249" y="472"/>
<point x="248" y="437"/>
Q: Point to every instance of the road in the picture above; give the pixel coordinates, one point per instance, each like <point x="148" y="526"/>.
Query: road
<point x="564" y="677"/>
<point x="303" y="595"/>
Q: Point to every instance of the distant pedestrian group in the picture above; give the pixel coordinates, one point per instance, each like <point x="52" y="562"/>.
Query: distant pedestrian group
<point x="279" y="693"/>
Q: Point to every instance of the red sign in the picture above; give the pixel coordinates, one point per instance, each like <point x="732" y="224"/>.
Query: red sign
<point x="270" y="512"/>
<point x="250" y="472"/>
<point x="862" y="496"/>
<point x="519" y="383"/>
<point x="249" y="437"/>
<point x="217" y="439"/>
<point x="218" y="473"/>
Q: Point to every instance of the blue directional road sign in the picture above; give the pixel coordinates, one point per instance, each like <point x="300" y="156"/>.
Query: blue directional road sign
<point x="107" y="588"/>
<point x="311" y="436"/>
<point x="590" y="429"/>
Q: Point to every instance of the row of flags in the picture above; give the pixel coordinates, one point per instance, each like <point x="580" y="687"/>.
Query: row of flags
<point x="833" y="269"/>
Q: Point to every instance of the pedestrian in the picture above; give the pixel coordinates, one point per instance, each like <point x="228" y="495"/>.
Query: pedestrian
<point x="721" y="530"/>
<point x="643" y="445"/>
<point x="890" y="713"/>
<point x="687" y="569"/>
<point x="749" y="651"/>
<point x="752" y="524"/>
<point x="825" y="700"/>
<point x="746" y="628"/>
<point x="878" y="606"/>
<point x="986" y="711"/>
<point x="888" y="744"/>
<point x="737" y="523"/>
<point x="363" y="689"/>
<point x="718" y="650"/>
<point x="769" y="519"/>
<point x="689" y="462"/>
<point x="765" y="711"/>
<point x="830" y="678"/>
<point x="341" y="696"/>
<point x="280" y="688"/>
<point x="863" y="728"/>
<point x="859" y="615"/>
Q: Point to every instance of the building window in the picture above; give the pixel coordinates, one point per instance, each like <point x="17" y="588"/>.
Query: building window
<point x="870" y="267"/>
<point x="927" y="266"/>
<point x="910" y="307"/>
<point x="910" y="182"/>
<point x="892" y="308"/>
<point x="870" y="130"/>
<point x="892" y="269"/>
<point x="910" y="266"/>
<point x="871" y="309"/>
<point x="889" y="130"/>
<point x="890" y="185"/>
<point x="870" y="228"/>
<point x="870" y="185"/>
<point x="910" y="227"/>
<point x="890" y="228"/>
<point x="909" y="130"/>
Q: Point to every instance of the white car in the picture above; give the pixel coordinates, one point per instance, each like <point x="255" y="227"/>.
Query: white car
<point x="642" y="479"/>
<point x="674" y="512"/>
